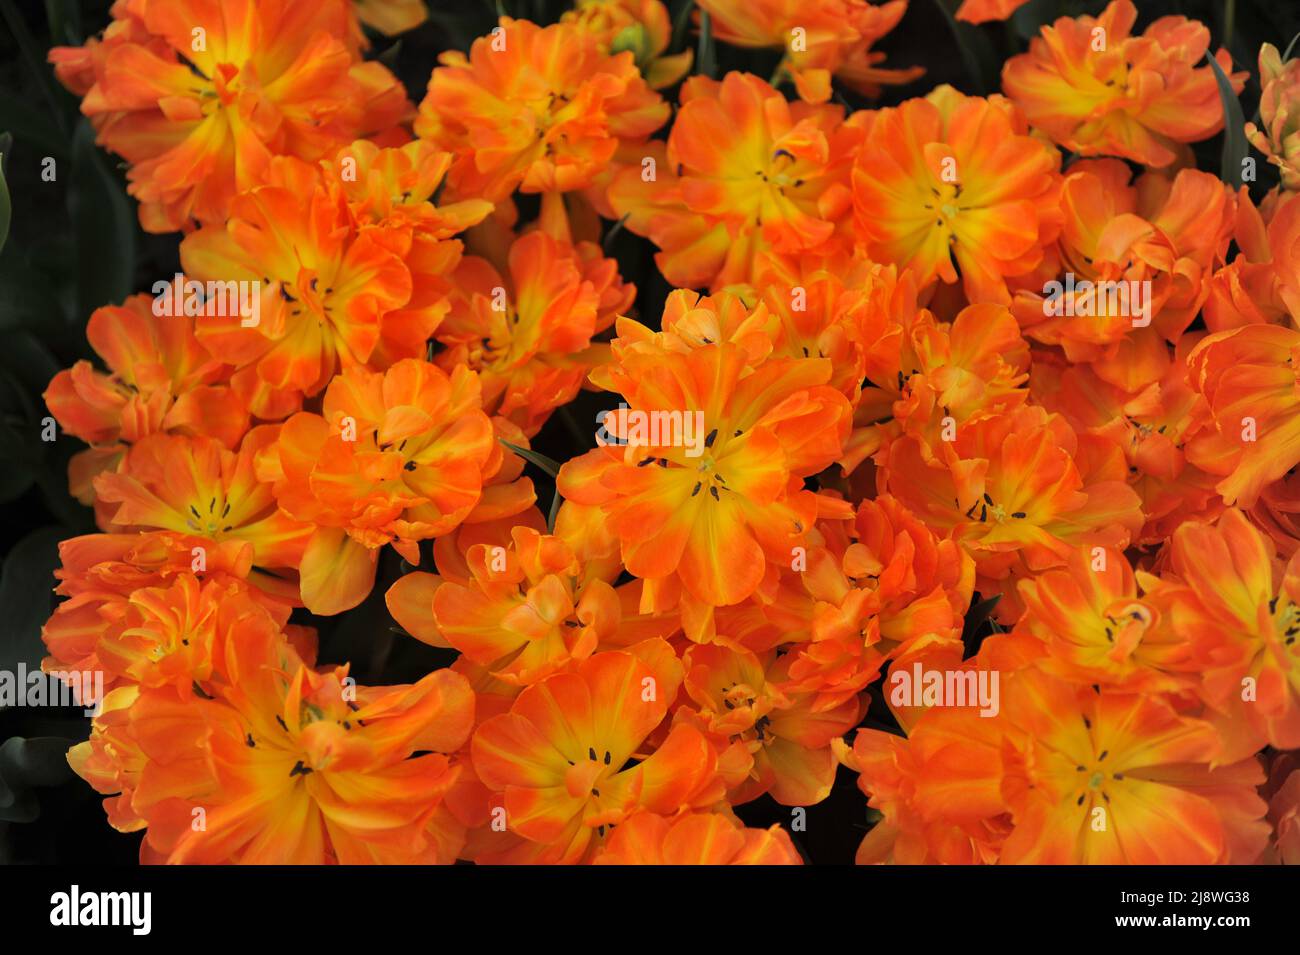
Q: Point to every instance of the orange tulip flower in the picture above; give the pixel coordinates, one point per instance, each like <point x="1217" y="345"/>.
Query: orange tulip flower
<point x="208" y="497"/>
<point x="737" y="696"/>
<point x="1248" y="378"/>
<point x="309" y="768"/>
<point x="984" y="11"/>
<point x="711" y="507"/>
<point x="695" y="839"/>
<point x="529" y="336"/>
<point x="956" y="182"/>
<point x="1109" y="779"/>
<point x="1096" y="629"/>
<point x="529" y="609"/>
<point x="1097" y="90"/>
<point x="819" y="39"/>
<point x="334" y="290"/>
<point x="100" y="573"/>
<point x="391" y="17"/>
<point x="1020" y="490"/>
<point x="643" y="28"/>
<point x="569" y="762"/>
<point x="160" y="379"/>
<point x="745" y="171"/>
<point x="889" y="769"/>
<point x="199" y="95"/>
<point x="1238" y="607"/>
<point x="397" y="457"/>
<point x="535" y="108"/>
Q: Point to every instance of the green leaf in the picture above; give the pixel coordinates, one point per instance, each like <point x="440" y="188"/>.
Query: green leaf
<point x="706" y="63"/>
<point x="681" y="22"/>
<point x="6" y="208"/>
<point x="19" y="473"/>
<point x="26" y="597"/>
<point x="555" y="510"/>
<point x="26" y="367"/>
<point x="31" y="125"/>
<point x="1235" y="147"/>
<point x="28" y="763"/>
<point x="461" y="24"/>
<point x="976" y="52"/>
<point x="23" y="303"/>
<point x="104" y="221"/>
<point x="59" y="101"/>
<point x="28" y="359"/>
<point x="1031" y="18"/>
<point x="390" y="55"/>
<point x="548" y="465"/>
<point x="1286" y="54"/>
<point x="607" y="244"/>
<point x="65" y="22"/>
<point x="21" y="449"/>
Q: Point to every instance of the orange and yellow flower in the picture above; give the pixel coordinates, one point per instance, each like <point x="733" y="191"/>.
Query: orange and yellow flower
<point x="1063" y="775"/>
<point x="819" y="40"/>
<point x="643" y="28"/>
<point x="1275" y="137"/>
<point x="159" y="379"/>
<point x="953" y="182"/>
<point x="737" y="697"/>
<point x="529" y="336"/>
<point x="570" y="759"/>
<point x="396" y="458"/>
<point x="1097" y="90"/>
<point x="1238" y="608"/>
<point x="868" y="442"/>
<point x="706" y="511"/>
<point x="391" y="17"/>
<point x="99" y="574"/>
<point x="1121" y="779"/>
<point x="535" y="108"/>
<point x="1141" y="257"/>
<point x="1248" y="378"/>
<point x="983" y="11"/>
<point x="297" y="766"/>
<point x="745" y="171"/>
<point x="199" y="95"/>
<point x="1095" y="628"/>
<point x="695" y="839"/>
<point x="207" y="497"/>
<point x="527" y="610"/>
<point x="334" y="291"/>
<point x="1019" y="490"/>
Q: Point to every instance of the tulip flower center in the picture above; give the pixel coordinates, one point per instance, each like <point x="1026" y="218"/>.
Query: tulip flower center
<point x="583" y="776"/>
<point x="1094" y="777"/>
<point x="1286" y="618"/>
<point x="210" y="518"/>
<point x="780" y="173"/>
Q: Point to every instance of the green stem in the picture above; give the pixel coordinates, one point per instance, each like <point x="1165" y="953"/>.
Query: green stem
<point x="704" y="58"/>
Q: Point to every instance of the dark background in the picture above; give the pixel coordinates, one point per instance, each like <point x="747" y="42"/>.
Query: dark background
<point x="75" y="244"/>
